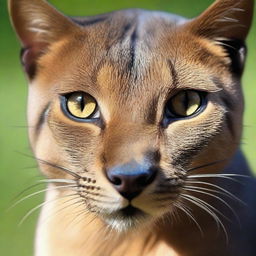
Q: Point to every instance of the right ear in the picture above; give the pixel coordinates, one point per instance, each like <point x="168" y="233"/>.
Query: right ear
<point x="227" y="22"/>
<point x="37" y="25"/>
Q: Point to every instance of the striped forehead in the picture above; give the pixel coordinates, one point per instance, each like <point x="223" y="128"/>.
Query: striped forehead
<point x="113" y="78"/>
<point x="124" y="96"/>
<point x="122" y="54"/>
<point x="130" y="38"/>
<point x="136" y="40"/>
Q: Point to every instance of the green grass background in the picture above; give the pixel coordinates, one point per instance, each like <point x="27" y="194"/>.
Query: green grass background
<point x="18" y="171"/>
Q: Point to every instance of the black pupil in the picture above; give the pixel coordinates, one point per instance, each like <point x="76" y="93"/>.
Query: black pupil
<point x="81" y="102"/>
<point x="185" y="100"/>
<point x="179" y="104"/>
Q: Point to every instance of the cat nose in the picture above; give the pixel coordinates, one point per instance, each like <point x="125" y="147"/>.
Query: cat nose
<point x="131" y="179"/>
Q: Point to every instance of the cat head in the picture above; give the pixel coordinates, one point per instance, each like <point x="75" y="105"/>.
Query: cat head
<point x="128" y="104"/>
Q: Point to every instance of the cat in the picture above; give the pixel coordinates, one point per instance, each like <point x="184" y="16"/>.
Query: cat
<point x="135" y="118"/>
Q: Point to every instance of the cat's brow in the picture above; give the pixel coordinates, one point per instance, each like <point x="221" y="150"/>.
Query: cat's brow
<point x="202" y="84"/>
<point x="206" y="84"/>
<point x="173" y="73"/>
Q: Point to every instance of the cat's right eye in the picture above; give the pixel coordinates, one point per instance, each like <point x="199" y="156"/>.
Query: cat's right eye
<point x="185" y="104"/>
<point x="80" y="105"/>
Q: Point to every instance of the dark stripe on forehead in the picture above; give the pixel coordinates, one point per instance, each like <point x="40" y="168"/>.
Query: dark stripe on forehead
<point x="133" y="48"/>
<point x="173" y="73"/>
<point x="125" y="31"/>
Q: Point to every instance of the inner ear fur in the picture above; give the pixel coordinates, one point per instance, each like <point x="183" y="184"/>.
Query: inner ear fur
<point x="37" y="25"/>
<point x="227" y="22"/>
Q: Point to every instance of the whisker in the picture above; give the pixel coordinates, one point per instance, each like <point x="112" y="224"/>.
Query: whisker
<point x="84" y="212"/>
<point x="189" y="214"/>
<point x="220" y="188"/>
<point x="210" y="206"/>
<point x="211" y="190"/>
<point x="95" y="194"/>
<point x="41" y="182"/>
<point x="75" y="175"/>
<point x="65" y="207"/>
<point x="218" y="175"/>
<point x="25" y="190"/>
<point x="228" y="177"/>
<point x="218" y="198"/>
<point x="37" y="207"/>
<point x="206" y="165"/>
<point x="190" y="199"/>
<point x="205" y="206"/>
<point x="58" y="181"/>
<point x="99" y="201"/>
<point x="38" y="192"/>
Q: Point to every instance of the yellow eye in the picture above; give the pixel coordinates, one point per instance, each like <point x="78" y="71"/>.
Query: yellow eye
<point x="184" y="104"/>
<point x="81" y="105"/>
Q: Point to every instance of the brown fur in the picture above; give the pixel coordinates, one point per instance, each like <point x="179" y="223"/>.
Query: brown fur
<point x="132" y="88"/>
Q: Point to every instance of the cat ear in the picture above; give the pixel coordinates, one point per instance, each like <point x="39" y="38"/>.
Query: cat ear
<point x="37" y="25"/>
<point x="228" y="23"/>
<point x="226" y="19"/>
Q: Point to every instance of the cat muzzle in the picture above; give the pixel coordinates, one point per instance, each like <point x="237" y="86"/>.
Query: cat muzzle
<point x="131" y="178"/>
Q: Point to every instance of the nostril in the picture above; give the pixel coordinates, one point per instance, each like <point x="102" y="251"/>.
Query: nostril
<point x="138" y="180"/>
<point x="146" y="179"/>
<point x="142" y="180"/>
<point x="116" y="181"/>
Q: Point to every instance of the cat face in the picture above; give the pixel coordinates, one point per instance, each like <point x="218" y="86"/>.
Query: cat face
<point x="129" y="103"/>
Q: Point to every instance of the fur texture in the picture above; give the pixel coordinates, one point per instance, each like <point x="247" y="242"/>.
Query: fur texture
<point x="132" y="62"/>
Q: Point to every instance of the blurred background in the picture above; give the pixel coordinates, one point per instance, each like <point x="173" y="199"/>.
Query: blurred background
<point x="18" y="171"/>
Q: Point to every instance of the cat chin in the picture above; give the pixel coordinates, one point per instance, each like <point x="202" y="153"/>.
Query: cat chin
<point x="123" y="222"/>
<point x="133" y="219"/>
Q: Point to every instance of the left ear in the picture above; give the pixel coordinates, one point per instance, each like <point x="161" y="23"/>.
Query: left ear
<point x="38" y="25"/>
<point x="227" y="22"/>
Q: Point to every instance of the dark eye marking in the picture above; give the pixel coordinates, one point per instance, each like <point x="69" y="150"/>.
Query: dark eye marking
<point x="42" y="118"/>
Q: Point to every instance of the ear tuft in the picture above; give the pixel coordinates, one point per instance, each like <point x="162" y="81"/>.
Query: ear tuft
<point x="236" y="50"/>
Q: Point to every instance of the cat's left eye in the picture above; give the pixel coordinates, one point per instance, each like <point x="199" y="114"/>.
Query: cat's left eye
<point x="185" y="104"/>
<point x="80" y="105"/>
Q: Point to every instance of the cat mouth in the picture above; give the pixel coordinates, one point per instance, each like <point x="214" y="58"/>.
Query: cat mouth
<point x="131" y="211"/>
<point x="126" y="218"/>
